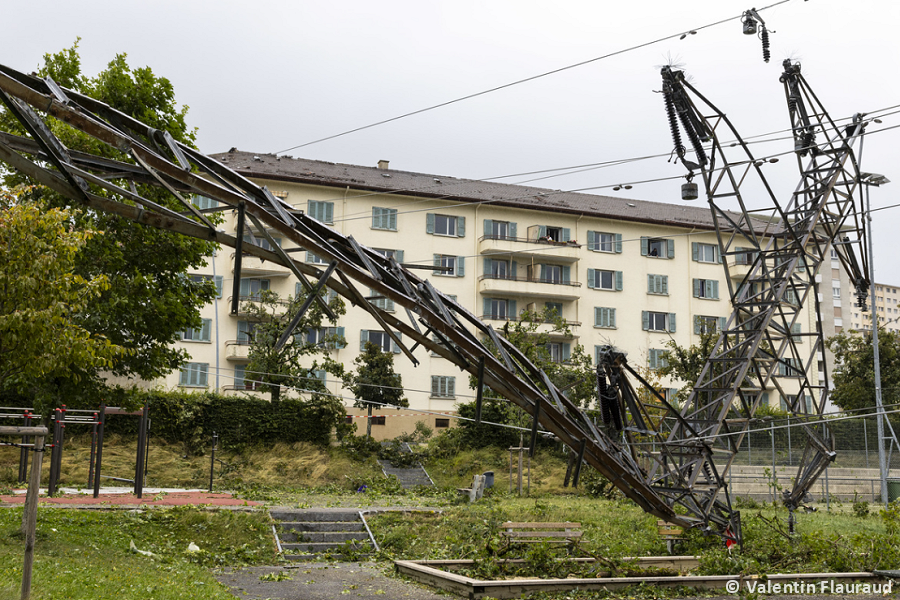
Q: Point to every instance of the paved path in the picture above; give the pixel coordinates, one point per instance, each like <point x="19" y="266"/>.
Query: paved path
<point x="323" y="581"/>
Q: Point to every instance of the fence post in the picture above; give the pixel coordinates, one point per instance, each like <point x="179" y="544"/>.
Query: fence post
<point x="866" y="441"/>
<point x="774" y="481"/>
<point x="790" y="453"/>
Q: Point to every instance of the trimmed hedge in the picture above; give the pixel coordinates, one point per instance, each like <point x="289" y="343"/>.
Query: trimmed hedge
<point x="191" y="419"/>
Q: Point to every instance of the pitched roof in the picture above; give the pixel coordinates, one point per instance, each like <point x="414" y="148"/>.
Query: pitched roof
<point x="407" y="183"/>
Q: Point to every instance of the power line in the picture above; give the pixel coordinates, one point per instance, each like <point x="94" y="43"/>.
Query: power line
<point x="680" y="34"/>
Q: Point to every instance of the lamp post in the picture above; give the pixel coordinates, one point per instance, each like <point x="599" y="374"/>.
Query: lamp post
<point x="870" y="179"/>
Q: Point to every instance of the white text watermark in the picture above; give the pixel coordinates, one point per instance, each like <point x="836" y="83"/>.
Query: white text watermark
<point x="825" y="586"/>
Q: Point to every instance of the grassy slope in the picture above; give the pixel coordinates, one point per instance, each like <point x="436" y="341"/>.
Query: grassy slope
<point x="85" y="554"/>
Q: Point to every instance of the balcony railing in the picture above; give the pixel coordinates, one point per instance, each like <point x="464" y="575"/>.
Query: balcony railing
<point x="551" y="281"/>
<point x="493" y="317"/>
<point x="544" y="240"/>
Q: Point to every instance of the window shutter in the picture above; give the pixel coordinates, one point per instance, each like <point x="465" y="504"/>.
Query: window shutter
<point x="395" y="347"/>
<point x="696" y="288"/>
<point x="618" y="281"/>
<point x="339" y="331"/>
<point x="451" y="387"/>
<point x="220" y="284"/>
<point x="698" y="325"/>
<point x="566" y="234"/>
<point x="429" y="223"/>
<point x="598" y="317"/>
<point x="718" y="255"/>
<point x="512" y="230"/>
<point x="566" y="271"/>
<point x="392" y="219"/>
<point x="651" y="358"/>
<point x="511" y="310"/>
<point x="437" y="263"/>
<point x="297" y="289"/>
<point x="376" y="218"/>
<point x="460" y="266"/>
<point x="566" y="352"/>
<point x="487" y="307"/>
<point x="205" y="330"/>
<point x="695" y="251"/>
<point x="398" y="256"/>
<point x="310" y="257"/>
<point x="618" y="243"/>
<point x="723" y="323"/>
<point x="488" y="266"/>
<point x="664" y="284"/>
<point x="591" y="278"/>
<point x="671" y="322"/>
<point x="713" y="284"/>
<point x="612" y="316"/>
<point x="542" y="231"/>
<point x="183" y="375"/>
<point x="671" y="244"/>
<point x="645" y="321"/>
<point x="329" y="212"/>
<point x="363" y="338"/>
<point x="764" y="399"/>
<point x="651" y="284"/>
<point x="645" y="246"/>
<point x="460" y="227"/>
<point x="245" y="287"/>
<point x="488" y="227"/>
<point x="435" y="385"/>
<point x="514" y="269"/>
<point x="592" y="240"/>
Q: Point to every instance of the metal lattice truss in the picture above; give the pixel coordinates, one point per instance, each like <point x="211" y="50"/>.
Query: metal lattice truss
<point x="771" y="257"/>
<point x="658" y="456"/>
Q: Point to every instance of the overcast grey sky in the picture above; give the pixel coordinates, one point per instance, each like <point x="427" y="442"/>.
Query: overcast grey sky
<point x="267" y="75"/>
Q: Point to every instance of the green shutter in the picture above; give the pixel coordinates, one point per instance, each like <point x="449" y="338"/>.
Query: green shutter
<point x="429" y="223"/>
<point x="220" y="284"/>
<point x="566" y="271"/>
<point x="671" y="322"/>
<point x="651" y="358"/>
<point x="486" y="306"/>
<point x="488" y="266"/>
<point x="339" y="331"/>
<point x="460" y="266"/>
<point x="566" y="352"/>
<point x="205" y="330"/>
<point x="645" y="246"/>
<point x="664" y="280"/>
<point x="513" y="270"/>
<point x="651" y="284"/>
<point x="566" y="234"/>
<point x="618" y="243"/>
<point x="395" y="347"/>
<point x="696" y="288"/>
<point x="437" y="263"/>
<point x="363" y="338"/>
<point x="460" y="227"/>
<point x="511" y="310"/>
<point x="715" y="288"/>
<point x="598" y="317"/>
<point x="723" y="323"/>
<point x="488" y="227"/>
<point x="645" y="320"/>
<point x="612" y="317"/>
<point x="671" y="244"/>
<point x="698" y="325"/>
<point x="245" y="287"/>
<point x="542" y="231"/>
<point x="591" y="278"/>
<point x="695" y="251"/>
<point x="618" y="281"/>
<point x="512" y="230"/>
<point x="592" y="240"/>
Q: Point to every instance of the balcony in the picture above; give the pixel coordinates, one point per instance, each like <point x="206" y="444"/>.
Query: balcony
<point x="237" y="350"/>
<point x="255" y="266"/>
<point x="564" y="252"/>
<point x="529" y="288"/>
<point x="282" y="305"/>
<point x="544" y="328"/>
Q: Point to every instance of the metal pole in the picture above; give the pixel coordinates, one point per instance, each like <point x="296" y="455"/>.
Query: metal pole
<point x="99" y="459"/>
<point x="790" y="453"/>
<point x="866" y="441"/>
<point x="212" y="461"/>
<point x="882" y="464"/>
<point x="31" y="505"/>
<point x="774" y="475"/>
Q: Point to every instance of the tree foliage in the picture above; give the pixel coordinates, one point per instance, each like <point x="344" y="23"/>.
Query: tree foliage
<point x="374" y="383"/>
<point x="854" y="374"/>
<point x="147" y="299"/>
<point x="289" y="366"/>
<point x="686" y="364"/>
<point x="40" y="294"/>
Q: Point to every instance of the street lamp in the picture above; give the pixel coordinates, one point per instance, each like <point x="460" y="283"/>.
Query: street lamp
<point x="870" y="179"/>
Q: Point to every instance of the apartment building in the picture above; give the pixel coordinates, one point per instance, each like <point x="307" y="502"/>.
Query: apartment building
<point x="886" y="307"/>
<point x="625" y="272"/>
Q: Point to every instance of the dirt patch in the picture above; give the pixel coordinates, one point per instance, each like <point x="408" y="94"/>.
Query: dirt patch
<point x="322" y="581"/>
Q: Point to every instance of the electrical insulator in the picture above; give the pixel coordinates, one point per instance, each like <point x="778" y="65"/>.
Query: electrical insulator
<point x="689" y="191"/>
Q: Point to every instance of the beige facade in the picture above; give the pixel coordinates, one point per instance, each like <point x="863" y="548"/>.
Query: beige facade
<point x="624" y="272"/>
<point x="887" y="307"/>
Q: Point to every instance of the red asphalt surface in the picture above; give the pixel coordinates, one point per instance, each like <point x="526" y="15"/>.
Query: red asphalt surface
<point x="129" y="499"/>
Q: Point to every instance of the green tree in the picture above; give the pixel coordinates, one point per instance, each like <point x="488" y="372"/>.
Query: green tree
<point x="40" y="294"/>
<point x="290" y="366"/>
<point x="374" y="382"/>
<point x="686" y="364"/>
<point x="854" y="373"/>
<point x="148" y="298"/>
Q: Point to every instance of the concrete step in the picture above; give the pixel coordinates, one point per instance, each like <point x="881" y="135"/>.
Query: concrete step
<point x="320" y="547"/>
<point x="336" y="537"/>
<point x="296" y="515"/>
<point x="321" y="526"/>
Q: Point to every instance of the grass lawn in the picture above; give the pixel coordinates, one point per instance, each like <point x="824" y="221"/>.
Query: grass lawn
<point x="85" y="553"/>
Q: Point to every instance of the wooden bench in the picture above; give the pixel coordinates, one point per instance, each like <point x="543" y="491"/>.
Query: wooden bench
<point x="532" y="533"/>
<point x="670" y="533"/>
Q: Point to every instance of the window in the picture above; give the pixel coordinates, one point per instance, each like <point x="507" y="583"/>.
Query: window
<point x="380" y="339"/>
<point x="315" y="259"/>
<point x="217" y="279"/>
<point x="499" y="309"/>
<point x="203" y="203"/>
<point x="384" y="218"/>
<point x="658" y="321"/>
<point x="499" y="269"/>
<point x="706" y="253"/>
<point x="836" y="292"/>
<point x="551" y="273"/>
<point x="806" y="406"/>
<point x="655" y="359"/>
<point x="320" y="211"/>
<point x="599" y="279"/>
<point x="704" y="324"/>
<point x="499" y="230"/>
<point x="443" y="386"/>
<point x="198" y="335"/>
<point x="453" y="266"/>
<point x="658" y="284"/>
<point x="790" y="297"/>
<point x="261" y="241"/>
<point x="556" y="274"/>
<point x="657" y="247"/>
<point x="559" y="352"/>
<point x="546" y="233"/>
<point x="376" y="299"/>
<point x="834" y="254"/>
<point x="554" y="306"/>
<point x="445" y="225"/>
<point x="604" y="242"/>
<point x="797" y="333"/>
<point x="241" y="382"/>
<point x="331" y="338"/>
<point x="708" y="289"/>
<point x="245" y="332"/>
<point x="790" y="367"/>
<point x="441" y="423"/>
<point x="377" y="420"/>
<point x="395" y="254"/>
<point x="194" y="375"/>
<point x="319" y="374"/>
<point x="744" y="256"/>
<point x="251" y="288"/>
<point x="605" y="317"/>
